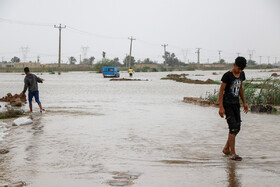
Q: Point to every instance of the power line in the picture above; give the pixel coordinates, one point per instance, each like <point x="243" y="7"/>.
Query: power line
<point x="9" y="21"/>
<point x="24" y="23"/>
<point x="94" y="34"/>
<point x="50" y="25"/>
<point x="148" y="43"/>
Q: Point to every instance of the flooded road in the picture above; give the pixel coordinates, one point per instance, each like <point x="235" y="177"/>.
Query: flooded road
<point x="101" y="133"/>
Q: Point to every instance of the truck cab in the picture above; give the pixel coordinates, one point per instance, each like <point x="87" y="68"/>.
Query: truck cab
<point x="110" y="72"/>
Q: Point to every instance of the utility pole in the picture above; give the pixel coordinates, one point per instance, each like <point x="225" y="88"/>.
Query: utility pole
<point x="220" y="55"/>
<point x="80" y="58"/>
<point x="59" y="50"/>
<point x="38" y="58"/>
<point x="130" y="51"/>
<point x="165" y="57"/>
<point x="260" y="59"/>
<point x="198" y="55"/>
<point x="238" y="54"/>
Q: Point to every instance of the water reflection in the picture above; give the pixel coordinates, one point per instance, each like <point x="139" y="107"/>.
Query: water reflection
<point x="32" y="145"/>
<point x="233" y="178"/>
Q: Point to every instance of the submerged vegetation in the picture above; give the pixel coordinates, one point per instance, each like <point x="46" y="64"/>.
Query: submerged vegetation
<point x="265" y="92"/>
<point x="10" y="113"/>
<point x="212" y="97"/>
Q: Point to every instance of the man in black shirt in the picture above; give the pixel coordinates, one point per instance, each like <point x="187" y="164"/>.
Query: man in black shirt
<point x="230" y="90"/>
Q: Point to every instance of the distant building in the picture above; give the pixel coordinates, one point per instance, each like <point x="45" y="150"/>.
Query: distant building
<point x="6" y="65"/>
<point x="55" y="65"/>
<point x="27" y="64"/>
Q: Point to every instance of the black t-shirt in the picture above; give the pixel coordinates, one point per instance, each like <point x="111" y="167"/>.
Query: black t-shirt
<point x="231" y="94"/>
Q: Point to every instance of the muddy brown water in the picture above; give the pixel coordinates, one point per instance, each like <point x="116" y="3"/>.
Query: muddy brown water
<point x="96" y="132"/>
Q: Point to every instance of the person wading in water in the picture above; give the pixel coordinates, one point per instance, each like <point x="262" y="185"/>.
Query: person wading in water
<point x="31" y="83"/>
<point x="230" y="90"/>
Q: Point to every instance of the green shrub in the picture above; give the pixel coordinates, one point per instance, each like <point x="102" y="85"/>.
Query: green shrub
<point x="98" y="66"/>
<point x="146" y="69"/>
<point x="212" y="97"/>
<point x="154" y="70"/>
<point x="10" y="113"/>
<point x="265" y="93"/>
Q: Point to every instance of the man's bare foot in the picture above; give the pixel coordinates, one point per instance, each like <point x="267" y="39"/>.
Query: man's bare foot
<point x="235" y="157"/>
<point x="226" y="152"/>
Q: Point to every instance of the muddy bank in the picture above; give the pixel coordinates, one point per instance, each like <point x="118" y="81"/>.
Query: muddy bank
<point x="123" y="178"/>
<point x="253" y="108"/>
<point x="15" y="184"/>
<point x="275" y="75"/>
<point x="10" y="105"/>
<point x="263" y="108"/>
<point x="184" y="79"/>
<point x="274" y="70"/>
<point x="4" y="151"/>
<point x="200" y="101"/>
<point x="14" y="100"/>
<point x="125" y="79"/>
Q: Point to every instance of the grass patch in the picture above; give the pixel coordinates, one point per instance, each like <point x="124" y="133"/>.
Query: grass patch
<point x="10" y="113"/>
<point x="267" y="92"/>
<point x="212" y="97"/>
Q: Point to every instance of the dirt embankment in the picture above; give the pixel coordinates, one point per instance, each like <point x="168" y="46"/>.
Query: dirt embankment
<point x="253" y="108"/>
<point x="14" y="100"/>
<point x="275" y="75"/>
<point x="200" y="101"/>
<point x="184" y="79"/>
<point x="263" y="108"/>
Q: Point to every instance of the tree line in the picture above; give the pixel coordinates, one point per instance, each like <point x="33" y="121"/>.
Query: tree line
<point x="171" y="60"/>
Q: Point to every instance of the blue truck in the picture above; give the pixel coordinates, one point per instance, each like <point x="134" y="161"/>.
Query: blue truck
<point x="110" y="72"/>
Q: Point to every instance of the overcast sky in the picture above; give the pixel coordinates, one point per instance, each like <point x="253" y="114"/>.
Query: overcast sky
<point x="105" y="25"/>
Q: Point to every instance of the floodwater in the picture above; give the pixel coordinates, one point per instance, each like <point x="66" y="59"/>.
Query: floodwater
<point x="101" y="133"/>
